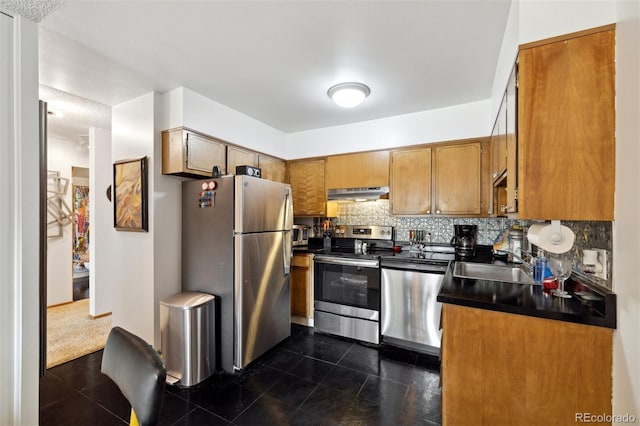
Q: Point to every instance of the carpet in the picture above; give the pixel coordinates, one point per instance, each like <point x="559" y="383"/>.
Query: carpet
<point x="72" y="334"/>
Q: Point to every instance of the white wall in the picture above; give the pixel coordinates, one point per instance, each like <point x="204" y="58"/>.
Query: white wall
<point x="132" y="274"/>
<point x="62" y="156"/>
<point x="210" y="117"/>
<point x="19" y="234"/>
<point x="533" y="20"/>
<point x="506" y="58"/>
<point x="101" y="213"/>
<point x="167" y="221"/>
<point x="187" y="108"/>
<point x="458" y="122"/>
<point x="626" y="343"/>
<point x="541" y="19"/>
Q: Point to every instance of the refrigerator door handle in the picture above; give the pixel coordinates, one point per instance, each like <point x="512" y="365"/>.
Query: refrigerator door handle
<point x="287" y="220"/>
<point x="287" y="253"/>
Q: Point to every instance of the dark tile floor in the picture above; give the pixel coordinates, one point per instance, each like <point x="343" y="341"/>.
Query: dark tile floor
<point x="309" y="379"/>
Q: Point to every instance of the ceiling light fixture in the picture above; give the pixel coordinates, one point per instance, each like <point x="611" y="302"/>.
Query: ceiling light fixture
<point x="348" y="95"/>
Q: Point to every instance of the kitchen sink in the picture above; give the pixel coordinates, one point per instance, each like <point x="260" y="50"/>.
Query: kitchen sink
<point x="483" y="271"/>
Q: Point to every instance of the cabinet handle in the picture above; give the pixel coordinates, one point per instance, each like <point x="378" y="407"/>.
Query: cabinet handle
<point x="437" y="211"/>
<point x="428" y="211"/>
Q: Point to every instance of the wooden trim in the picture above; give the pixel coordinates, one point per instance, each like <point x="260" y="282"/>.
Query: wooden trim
<point x="396" y="148"/>
<point x="60" y="304"/>
<point x="299" y="160"/>
<point x="95" y="317"/>
<point x="567" y="36"/>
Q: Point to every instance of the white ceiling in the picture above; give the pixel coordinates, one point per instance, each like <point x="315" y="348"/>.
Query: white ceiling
<point x="275" y="60"/>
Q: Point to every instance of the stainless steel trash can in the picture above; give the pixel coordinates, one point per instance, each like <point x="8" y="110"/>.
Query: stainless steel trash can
<point x="188" y="337"/>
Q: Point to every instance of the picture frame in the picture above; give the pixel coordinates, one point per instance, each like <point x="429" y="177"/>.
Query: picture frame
<point x="130" y="187"/>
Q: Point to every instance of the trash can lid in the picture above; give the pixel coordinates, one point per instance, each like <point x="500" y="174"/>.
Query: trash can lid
<point x="187" y="300"/>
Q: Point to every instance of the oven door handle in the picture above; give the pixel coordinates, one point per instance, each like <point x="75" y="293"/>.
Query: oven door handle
<point x="347" y="262"/>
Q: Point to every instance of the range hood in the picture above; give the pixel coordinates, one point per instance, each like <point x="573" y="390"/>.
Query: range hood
<point x="368" y="193"/>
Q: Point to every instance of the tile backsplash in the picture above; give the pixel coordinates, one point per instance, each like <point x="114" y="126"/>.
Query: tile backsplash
<point x="588" y="234"/>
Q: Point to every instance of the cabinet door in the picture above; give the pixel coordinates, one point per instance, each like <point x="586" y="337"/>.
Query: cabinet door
<point x="457" y="179"/>
<point x="492" y="356"/>
<point x="240" y="157"/>
<point x="499" y="141"/>
<point x="358" y="170"/>
<point x="410" y="186"/>
<point x="272" y="168"/>
<point x="511" y="203"/>
<point x="204" y="153"/>
<point x="566" y="139"/>
<point x="307" y="187"/>
<point x="300" y="286"/>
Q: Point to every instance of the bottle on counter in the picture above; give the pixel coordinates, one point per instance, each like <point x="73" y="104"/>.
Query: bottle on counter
<point x="515" y="244"/>
<point x="540" y="267"/>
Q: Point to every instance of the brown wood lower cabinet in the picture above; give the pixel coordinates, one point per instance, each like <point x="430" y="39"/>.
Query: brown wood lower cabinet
<point x="508" y="369"/>
<point x="302" y="288"/>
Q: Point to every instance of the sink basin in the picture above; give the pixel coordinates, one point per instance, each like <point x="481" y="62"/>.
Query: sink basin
<point x="483" y="271"/>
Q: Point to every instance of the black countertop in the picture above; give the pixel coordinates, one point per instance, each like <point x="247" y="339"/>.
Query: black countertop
<point x="590" y="304"/>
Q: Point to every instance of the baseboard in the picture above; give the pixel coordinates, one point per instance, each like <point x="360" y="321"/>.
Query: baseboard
<point x="93" y="317"/>
<point x="60" y="304"/>
<point x="302" y="321"/>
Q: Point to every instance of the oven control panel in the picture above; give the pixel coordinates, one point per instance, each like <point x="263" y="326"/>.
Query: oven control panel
<point x="364" y="232"/>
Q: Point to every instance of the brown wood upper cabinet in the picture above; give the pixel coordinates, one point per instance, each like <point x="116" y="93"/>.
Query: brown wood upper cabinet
<point x="191" y="154"/>
<point x="359" y="170"/>
<point x="566" y="127"/>
<point x="457" y="179"/>
<point x="240" y="157"/>
<point x="504" y="167"/>
<point x="445" y="179"/>
<point x="410" y="183"/>
<point x="499" y="142"/>
<point x="307" y="187"/>
<point x="272" y="168"/>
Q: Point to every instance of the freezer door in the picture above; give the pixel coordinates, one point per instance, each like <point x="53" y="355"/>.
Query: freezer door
<point x="262" y="205"/>
<point x="262" y="304"/>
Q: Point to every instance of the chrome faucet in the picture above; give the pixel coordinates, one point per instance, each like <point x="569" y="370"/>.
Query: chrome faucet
<point x="524" y="264"/>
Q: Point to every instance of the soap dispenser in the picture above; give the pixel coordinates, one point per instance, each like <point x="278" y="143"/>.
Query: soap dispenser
<point x="540" y="267"/>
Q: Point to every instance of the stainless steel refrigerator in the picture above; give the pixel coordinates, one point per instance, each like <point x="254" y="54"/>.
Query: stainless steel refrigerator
<point x="236" y="244"/>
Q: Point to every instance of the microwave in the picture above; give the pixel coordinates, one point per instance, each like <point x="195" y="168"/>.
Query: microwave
<point x="300" y="235"/>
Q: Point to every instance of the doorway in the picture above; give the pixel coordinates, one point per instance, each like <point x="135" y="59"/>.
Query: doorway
<point x="80" y="231"/>
<point x="71" y="331"/>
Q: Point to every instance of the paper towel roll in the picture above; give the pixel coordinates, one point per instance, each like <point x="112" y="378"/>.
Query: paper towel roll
<point x="557" y="241"/>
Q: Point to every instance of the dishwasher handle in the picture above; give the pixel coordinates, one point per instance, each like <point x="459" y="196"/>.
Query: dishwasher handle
<point x="440" y="268"/>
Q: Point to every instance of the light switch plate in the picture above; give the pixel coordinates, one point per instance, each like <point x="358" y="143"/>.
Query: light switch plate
<point x="602" y="259"/>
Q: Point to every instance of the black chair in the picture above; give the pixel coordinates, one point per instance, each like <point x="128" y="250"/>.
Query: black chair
<point x="138" y="371"/>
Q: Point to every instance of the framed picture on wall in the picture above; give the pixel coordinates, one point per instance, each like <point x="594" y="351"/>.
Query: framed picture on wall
<point x="130" y="205"/>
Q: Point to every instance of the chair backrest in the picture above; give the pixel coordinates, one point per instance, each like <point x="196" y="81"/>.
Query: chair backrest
<point x="138" y="371"/>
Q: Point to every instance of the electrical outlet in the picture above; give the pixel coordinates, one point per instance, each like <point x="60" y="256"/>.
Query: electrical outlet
<point x="602" y="259"/>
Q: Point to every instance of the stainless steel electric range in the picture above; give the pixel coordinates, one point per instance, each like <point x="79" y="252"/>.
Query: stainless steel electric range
<point x="347" y="282"/>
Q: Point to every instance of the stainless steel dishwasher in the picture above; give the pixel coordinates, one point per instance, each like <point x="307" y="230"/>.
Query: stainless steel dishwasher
<point x="410" y="313"/>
